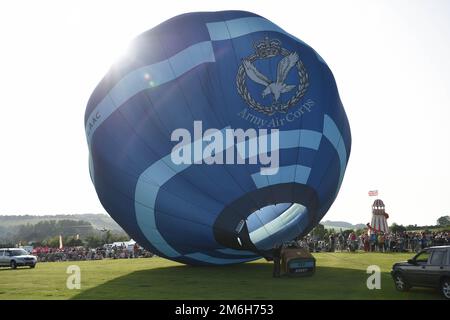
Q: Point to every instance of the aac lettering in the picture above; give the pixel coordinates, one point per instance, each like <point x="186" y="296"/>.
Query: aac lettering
<point x="92" y="121"/>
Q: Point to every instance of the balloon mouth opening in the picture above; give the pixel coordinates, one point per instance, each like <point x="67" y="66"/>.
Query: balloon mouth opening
<point x="274" y="224"/>
<point x="266" y="217"/>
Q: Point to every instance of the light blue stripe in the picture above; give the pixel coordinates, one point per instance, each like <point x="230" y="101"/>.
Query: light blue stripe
<point x="287" y="139"/>
<point x="91" y="168"/>
<point x="148" y="224"/>
<point x="146" y="77"/>
<point x="226" y="30"/>
<point x="206" y="258"/>
<point x="234" y="252"/>
<point x="285" y="174"/>
<point x="230" y="29"/>
<point x="310" y="139"/>
<point x="300" y="139"/>
<point x="332" y="133"/>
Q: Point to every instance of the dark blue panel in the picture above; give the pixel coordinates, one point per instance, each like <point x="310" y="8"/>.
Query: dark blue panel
<point x="186" y="236"/>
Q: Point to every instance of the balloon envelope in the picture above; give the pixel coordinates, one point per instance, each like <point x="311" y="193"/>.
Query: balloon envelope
<point x="217" y="70"/>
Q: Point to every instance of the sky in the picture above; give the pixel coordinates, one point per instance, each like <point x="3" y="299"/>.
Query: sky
<point x="390" y="60"/>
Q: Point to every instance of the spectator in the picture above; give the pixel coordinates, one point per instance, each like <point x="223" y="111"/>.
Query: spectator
<point x="373" y="241"/>
<point x="80" y="253"/>
<point x="380" y="240"/>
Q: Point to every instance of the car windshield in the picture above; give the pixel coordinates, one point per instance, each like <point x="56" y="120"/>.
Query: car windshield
<point x="423" y="257"/>
<point x="18" y="252"/>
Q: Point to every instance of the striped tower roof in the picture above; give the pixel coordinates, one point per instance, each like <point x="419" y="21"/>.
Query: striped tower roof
<point x="379" y="217"/>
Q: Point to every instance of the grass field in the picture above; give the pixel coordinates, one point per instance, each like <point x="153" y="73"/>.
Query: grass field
<point x="338" y="276"/>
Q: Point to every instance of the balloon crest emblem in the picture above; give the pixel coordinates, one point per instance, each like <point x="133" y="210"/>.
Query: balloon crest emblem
<point x="265" y="50"/>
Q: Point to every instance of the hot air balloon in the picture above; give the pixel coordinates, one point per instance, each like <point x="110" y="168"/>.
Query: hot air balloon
<point x="218" y="137"/>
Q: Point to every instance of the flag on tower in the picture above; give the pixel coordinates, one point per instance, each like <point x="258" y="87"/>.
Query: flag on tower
<point x="373" y="193"/>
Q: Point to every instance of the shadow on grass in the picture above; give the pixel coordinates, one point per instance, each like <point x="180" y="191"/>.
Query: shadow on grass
<point x="246" y="281"/>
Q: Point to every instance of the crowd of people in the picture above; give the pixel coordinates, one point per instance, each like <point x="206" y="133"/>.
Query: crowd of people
<point x="45" y="254"/>
<point x="377" y="242"/>
<point x="373" y="242"/>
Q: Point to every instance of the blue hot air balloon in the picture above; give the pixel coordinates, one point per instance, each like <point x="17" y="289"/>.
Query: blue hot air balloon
<point x="217" y="137"/>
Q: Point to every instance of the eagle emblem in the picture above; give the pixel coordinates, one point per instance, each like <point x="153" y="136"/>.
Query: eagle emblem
<point x="266" y="49"/>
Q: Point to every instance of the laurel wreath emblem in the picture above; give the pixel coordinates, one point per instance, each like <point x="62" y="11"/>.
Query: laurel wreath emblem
<point x="271" y="109"/>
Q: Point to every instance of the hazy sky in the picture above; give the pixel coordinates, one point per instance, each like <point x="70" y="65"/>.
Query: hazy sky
<point x="390" y="60"/>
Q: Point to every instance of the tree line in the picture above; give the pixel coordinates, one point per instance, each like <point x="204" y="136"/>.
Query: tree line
<point x="73" y="232"/>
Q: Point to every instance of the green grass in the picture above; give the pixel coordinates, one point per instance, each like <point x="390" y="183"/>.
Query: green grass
<point x="338" y="276"/>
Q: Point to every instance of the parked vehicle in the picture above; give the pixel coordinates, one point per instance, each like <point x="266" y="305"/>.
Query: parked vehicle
<point x="429" y="268"/>
<point x="15" y="257"/>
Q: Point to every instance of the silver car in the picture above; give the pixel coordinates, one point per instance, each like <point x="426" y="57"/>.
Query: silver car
<point x="14" y="257"/>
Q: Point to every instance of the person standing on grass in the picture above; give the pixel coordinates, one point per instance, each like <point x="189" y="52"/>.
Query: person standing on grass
<point x="366" y="242"/>
<point x="332" y="241"/>
<point x="407" y="241"/>
<point x="341" y="242"/>
<point x="372" y="240"/>
<point x="351" y="241"/>
<point x="381" y="242"/>
<point x="401" y="243"/>
<point x="276" y="252"/>
<point x="387" y="242"/>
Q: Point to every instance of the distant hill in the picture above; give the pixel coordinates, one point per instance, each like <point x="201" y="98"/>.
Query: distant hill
<point x="342" y="225"/>
<point x="98" y="220"/>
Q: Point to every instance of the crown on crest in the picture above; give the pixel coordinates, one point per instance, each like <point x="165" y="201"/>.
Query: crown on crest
<point x="267" y="48"/>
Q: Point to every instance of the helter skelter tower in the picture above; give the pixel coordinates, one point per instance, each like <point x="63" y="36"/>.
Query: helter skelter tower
<point x="379" y="218"/>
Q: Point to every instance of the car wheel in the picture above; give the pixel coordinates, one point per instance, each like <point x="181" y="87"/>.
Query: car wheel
<point x="32" y="266"/>
<point x="445" y="288"/>
<point x="400" y="283"/>
<point x="13" y="264"/>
